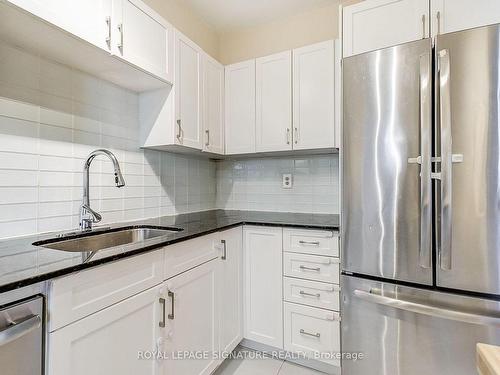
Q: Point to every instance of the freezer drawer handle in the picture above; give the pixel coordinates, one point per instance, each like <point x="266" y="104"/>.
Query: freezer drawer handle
<point x="302" y="293"/>
<point x="18" y="329"/>
<point x="374" y="296"/>
<point x="304" y="268"/>
<point x="317" y="334"/>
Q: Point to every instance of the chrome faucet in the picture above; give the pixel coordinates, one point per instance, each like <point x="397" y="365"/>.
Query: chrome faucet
<point x="87" y="215"/>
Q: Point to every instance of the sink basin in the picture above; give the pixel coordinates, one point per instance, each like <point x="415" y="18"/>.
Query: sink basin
<point x="94" y="241"/>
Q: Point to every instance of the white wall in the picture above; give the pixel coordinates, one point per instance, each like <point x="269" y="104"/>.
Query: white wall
<point x="255" y="184"/>
<point x="51" y="118"/>
<point x="180" y="15"/>
<point x="309" y="27"/>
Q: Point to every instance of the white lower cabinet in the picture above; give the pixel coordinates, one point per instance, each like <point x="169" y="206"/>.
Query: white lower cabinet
<point x="192" y="321"/>
<point x="312" y="267"/>
<point x="231" y="289"/>
<point x="263" y="285"/>
<point x="111" y="340"/>
<point x="313" y="331"/>
<point x="312" y="293"/>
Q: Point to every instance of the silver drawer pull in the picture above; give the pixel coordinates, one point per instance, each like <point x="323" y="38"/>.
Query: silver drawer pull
<point x="302" y="293"/>
<point x="313" y="243"/>
<point x="171" y="316"/>
<point x="317" y="334"/>
<point x="317" y="269"/>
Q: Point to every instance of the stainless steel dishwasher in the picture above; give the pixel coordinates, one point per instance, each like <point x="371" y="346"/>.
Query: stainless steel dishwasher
<point x="21" y="337"/>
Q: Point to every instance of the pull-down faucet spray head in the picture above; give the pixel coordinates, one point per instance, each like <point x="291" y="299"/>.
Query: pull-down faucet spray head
<point x="87" y="215"/>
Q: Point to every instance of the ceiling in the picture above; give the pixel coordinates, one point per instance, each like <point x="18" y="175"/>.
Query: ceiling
<point x="232" y="14"/>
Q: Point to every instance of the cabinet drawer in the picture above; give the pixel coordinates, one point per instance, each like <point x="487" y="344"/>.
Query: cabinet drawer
<point x="311" y="267"/>
<point x="83" y="293"/>
<point x="312" y="331"/>
<point x="312" y="293"/>
<point x="317" y="242"/>
<point x="185" y="255"/>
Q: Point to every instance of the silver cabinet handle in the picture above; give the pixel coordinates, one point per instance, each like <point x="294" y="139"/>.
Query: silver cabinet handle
<point x="374" y="296"/>
<point x="310" y="268"/>
<point x="317" y="334"/>
<point x="224" y="250"/>
<point x="179" y="130"/>
<point x="425" y="161"/>
<point x="423" y="26"/>
<point x="108" y="25"/>
<point x="296" y="135"/>
<point x="287" y="136"/>
<point x="446" y="159"/>
<point x="120" y="45"/>
<point x="162" y="321"/>
<point x="207" y="132"/>
<point x="19" y="329"/>
<point x="314" y="243"/>
<point x="438" y="17"/>
<point x="302" y="293"/>
<point x="171" y="294"/>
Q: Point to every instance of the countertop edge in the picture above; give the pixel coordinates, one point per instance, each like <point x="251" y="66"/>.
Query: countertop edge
<point x="66" y="271"/>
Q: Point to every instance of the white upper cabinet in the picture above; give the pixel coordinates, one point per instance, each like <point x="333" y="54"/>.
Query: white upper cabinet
<point x="240" y="107"/>
<point x="314" y="96"/>
<point x="89" y="20"/>
<point x="454" y="15"/>
<point x="143" y="38"/>
<point x="375" y="24"/>
<point x="187" y="89"/>
<point x="213" y="99"/>
<point x="274" y="102"/>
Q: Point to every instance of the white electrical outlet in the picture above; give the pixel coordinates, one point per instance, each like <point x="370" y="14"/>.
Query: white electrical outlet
<point x="286" y="182"/>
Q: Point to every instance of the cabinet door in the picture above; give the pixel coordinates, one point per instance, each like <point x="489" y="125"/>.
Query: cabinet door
<point x="375" y="24"/>
<point x="110" y="341"/>
<point x="263" y="270"/>
<point x="192" y="324"/>
<point x="143" y="38"/>
<point x="239" y="96"/>
<point x="274" y="102"/>
<point x="213" y="99"/>
<point x="314" y="96"/>
<point x="231" y="289"/>
<point x="454" y="15"/>
<point x="89" y="20"/>
<point x="187" y="90"/>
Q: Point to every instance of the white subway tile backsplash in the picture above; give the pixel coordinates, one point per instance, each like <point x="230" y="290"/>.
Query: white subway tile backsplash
<point x="255" y="184"/>
<point x="18" y="228"/>
<point x="10" y="195"/>
<point x="51" y="118"/>
<point x="18" y="178"/>
<point x="10" y="212"/>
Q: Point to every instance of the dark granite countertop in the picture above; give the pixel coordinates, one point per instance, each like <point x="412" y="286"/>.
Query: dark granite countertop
<point x="22" y="263"/>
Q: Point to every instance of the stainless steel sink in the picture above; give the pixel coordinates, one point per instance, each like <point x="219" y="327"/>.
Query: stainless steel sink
<point x="95" y="241"/>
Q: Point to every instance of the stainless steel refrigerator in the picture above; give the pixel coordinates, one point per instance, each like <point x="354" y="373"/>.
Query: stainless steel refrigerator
<point x="421" y="204"/>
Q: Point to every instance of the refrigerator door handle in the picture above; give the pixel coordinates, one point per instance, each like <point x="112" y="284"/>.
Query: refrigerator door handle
<point x="374" y="296"/>
<point x="425" y="162"/>
<point x="446" y="159"/>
